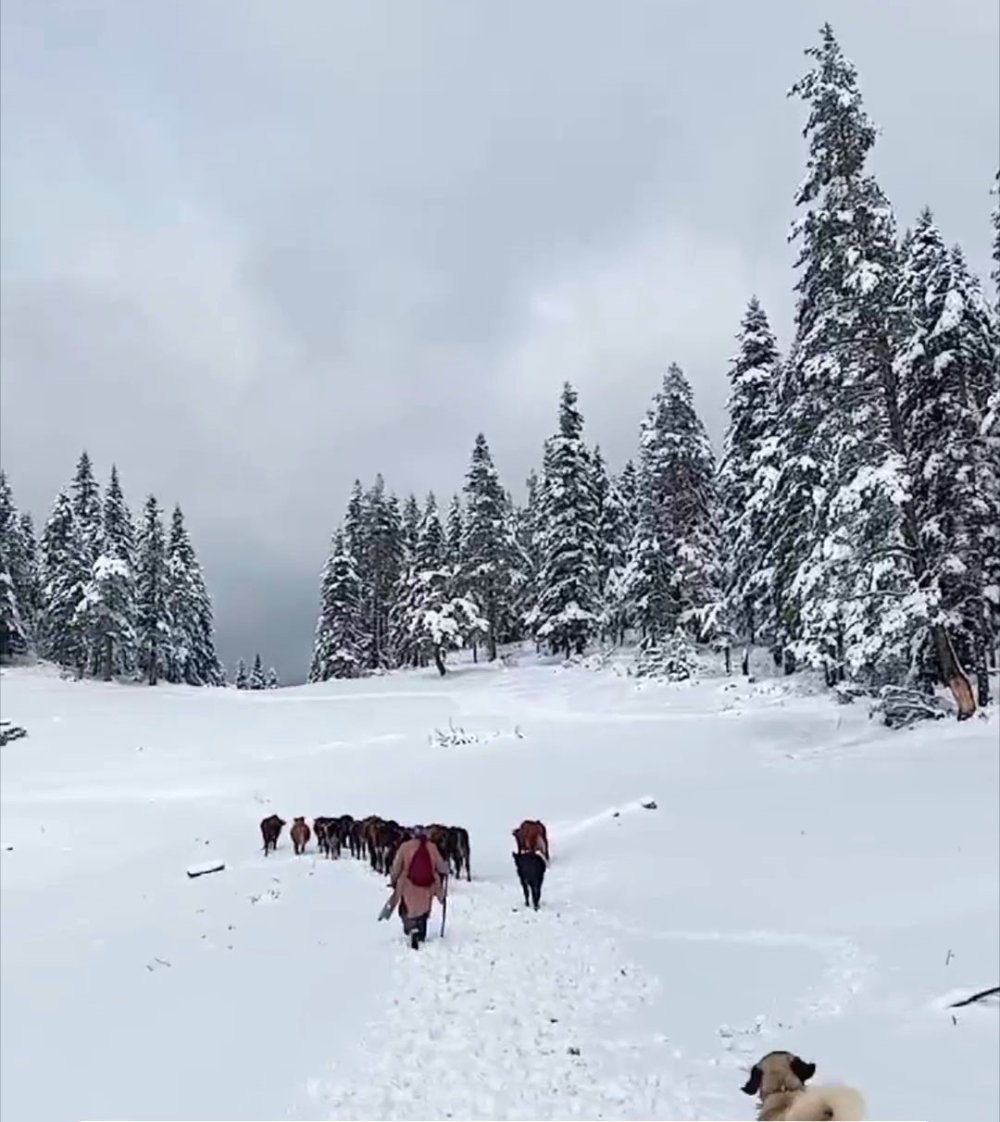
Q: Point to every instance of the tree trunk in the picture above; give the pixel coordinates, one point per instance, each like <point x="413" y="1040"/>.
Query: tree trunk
<point x="982" y="675"/>
<point x="952" y="673"/>
<point x="439" y="661"/>
<point x="745" y="664"/>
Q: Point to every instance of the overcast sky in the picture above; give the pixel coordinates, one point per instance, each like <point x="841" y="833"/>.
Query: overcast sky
<point x="252" y="250"/>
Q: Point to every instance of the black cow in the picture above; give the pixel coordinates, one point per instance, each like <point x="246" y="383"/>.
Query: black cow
<point x="531" y="874"/>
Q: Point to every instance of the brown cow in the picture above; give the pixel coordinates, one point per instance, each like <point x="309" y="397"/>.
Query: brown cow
<point x="270" y="829"/>
<point x="532" y="837"/>
<point x="300" y="835"/>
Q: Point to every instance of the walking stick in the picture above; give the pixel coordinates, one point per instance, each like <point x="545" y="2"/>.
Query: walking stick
<point x="444" y="906"/>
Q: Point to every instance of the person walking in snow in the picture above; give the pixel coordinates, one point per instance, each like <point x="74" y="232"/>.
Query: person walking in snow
<point x="418" y="875"/>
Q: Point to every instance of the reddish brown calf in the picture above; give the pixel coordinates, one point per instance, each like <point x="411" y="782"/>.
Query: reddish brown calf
<point x="300" y="835"/>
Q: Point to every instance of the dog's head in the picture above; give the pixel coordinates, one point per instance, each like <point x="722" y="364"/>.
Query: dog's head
<point x="300" y="821"/>
<point x="778" y="1071"/>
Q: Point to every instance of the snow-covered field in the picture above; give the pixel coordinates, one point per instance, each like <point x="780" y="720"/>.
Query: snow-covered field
<point x="808" y="880"/>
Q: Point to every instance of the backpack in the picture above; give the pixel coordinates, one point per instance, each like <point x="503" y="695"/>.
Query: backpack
<point x="421" y="870"/>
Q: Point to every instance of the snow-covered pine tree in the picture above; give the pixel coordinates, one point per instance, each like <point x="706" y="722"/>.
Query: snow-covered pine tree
<point x="428" y="555"/>
<point x="990" y="423"/>
<point x="382" y="571"/>
<point x="65" y="574"/>
<point x="614" y="536"/>
<point x="440" y="622"/>
<point x="241" y="679"/>
<point x="746" y="476"/>
<point x="980" y="357"/>
<point x="674" y="564"/>
<point x="567" y="612"/>
<point x="153" y="629"/>
<point x="455" y="536"/>
<point x="628" y="488"/>
<point x="339" y="650"/>
<point x="996" y="242"/>
<point x="108" y="611"/>
<point x="788" y="481"/>
<point x="29" y="589"/>
<point x="271" y="679"/>
<point x="257" y="681"/>
<point x="192" y="657"/>
<point x="435" y="618"/>
<point x="599" y="486"/>
<point x="87" y="508"/>
<point x="947" y="356"/>
<point x="411" y="526"/>
<point x="979" y="329"/>
<point x="14" y="629"/>
<point x="355" y="525"/>
<point x="856" y="604"/>
<point x="527" y="537"/>
<point x="491" y="574"/>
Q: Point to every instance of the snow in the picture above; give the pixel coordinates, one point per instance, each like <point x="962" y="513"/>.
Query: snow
<point x="808" y="879"/>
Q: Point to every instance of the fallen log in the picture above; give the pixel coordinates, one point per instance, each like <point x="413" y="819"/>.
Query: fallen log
<point x="992" y="992"/>
<point x="205" y="868"/>
<point x="9" y="732"/>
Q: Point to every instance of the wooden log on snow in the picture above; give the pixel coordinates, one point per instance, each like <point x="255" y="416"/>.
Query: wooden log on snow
<point x="9" y="732"/>
<point x="992" y="992"/>
<point x="204" y="868"/>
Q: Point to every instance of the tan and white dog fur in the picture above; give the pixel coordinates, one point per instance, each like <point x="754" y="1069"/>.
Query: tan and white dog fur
<point x="779" y="1080"/>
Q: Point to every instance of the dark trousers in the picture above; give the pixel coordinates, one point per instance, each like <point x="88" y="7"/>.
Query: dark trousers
<point x="413" y="924"/>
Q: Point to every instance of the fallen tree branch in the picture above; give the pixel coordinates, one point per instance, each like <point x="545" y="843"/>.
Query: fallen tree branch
<point x="9" y="732"/>
<point x="975" y="997"/>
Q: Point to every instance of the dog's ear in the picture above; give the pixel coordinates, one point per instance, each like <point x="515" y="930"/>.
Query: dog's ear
<point x="803" y="1070"/>
<point x="752" y="1085"/>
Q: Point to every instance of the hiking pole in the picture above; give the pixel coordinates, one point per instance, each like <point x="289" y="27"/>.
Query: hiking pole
<point x="444" y="906"/>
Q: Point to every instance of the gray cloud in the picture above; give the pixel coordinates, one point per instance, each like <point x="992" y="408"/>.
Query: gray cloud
<point x="251" y="251"/>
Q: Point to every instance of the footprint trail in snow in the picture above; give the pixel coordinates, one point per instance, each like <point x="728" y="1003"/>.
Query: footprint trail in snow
<point x="512" y="1015"/>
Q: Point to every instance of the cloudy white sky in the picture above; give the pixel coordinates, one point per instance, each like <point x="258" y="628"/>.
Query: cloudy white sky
<point x="252" y="250"/>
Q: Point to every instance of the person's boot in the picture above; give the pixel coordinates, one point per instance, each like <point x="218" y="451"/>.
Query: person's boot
<point x="415" y="938"/>
<point x="422" y="928"/>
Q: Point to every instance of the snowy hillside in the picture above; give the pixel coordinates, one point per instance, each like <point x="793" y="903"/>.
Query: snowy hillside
<point x="807" y="880"/>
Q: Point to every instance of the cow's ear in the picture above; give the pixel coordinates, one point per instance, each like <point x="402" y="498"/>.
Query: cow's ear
<point x="752" y="1085"/>
<point x="803" y="1070"/>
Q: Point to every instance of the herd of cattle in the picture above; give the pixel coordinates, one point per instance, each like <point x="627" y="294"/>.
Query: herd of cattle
<point x="377" y="839"/>
<point x="373" y="839"/>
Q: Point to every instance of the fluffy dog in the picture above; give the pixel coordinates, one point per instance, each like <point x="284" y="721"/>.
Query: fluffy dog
<point x="531" y="874"/>
<point x="780" y="1078"/>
